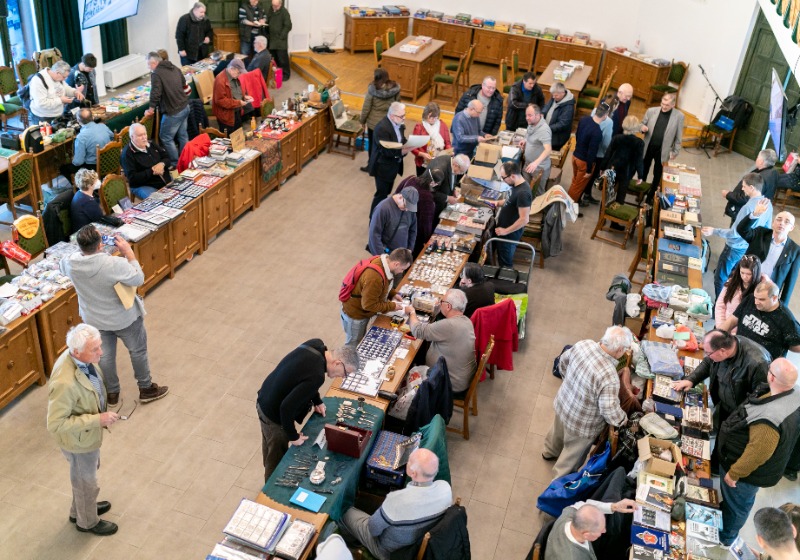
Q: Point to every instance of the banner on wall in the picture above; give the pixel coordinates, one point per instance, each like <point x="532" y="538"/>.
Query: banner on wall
<point x="777" y="114"/>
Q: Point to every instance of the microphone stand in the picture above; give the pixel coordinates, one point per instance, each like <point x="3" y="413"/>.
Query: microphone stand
<point x="713" y="108"/>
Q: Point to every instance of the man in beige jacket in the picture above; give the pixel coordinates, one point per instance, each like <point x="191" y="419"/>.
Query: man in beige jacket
<point x="76" y="416"/>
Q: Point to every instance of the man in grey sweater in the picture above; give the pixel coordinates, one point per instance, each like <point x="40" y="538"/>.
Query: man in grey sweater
<point x="405" y="514"/>
<point x="453" y="337"/>
<point x="579" y="526"/>
<point x="96" y="275"/>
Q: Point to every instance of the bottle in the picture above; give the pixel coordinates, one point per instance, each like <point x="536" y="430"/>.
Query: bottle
<point x="252" y="123"/>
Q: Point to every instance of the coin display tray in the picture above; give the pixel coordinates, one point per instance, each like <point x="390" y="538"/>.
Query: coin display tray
<point x="378" y="344"/>
<point x="436" y="268"/>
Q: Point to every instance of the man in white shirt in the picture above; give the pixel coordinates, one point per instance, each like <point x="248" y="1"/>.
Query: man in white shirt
<point x="49" y="93"/>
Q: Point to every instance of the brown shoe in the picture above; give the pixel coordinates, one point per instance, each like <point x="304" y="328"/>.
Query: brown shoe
<point x="152" y="393"/>
<point x="112" y="399"/>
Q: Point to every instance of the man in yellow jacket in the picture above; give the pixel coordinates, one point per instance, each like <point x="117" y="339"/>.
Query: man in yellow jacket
<point x="76" y="416"/>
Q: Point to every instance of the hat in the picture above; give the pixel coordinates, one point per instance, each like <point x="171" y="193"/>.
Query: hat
<point x="411" y="197"/>
<point x="236" y="64"/>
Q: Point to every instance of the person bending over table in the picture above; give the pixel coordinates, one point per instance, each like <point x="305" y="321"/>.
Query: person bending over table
<point x="406" y="514"/>
<point x="452" y="337"/>
<point x="394" y="223"/>
<point x="514" y="214"/>
<point x="291" y="390"/>
<point x="146" y="165"/>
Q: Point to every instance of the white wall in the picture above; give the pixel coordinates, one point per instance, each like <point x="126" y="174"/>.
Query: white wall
<point x="154" y="26"/>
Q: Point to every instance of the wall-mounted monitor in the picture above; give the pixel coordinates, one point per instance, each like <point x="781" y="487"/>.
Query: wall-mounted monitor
<point x="96" y="12"/>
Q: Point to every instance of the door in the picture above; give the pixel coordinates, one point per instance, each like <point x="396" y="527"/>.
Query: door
<point x="755" y="81"/>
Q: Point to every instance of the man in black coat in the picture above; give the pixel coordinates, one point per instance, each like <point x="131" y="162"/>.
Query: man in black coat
<point x="453" y="168"/>
<point x="765" y="166"/>
<point x="780" y="256"/>
<point x="193" y="35"/>
<point x="523" y="93"/>
<point x="485" y="92"/>
<point x="387" y="163"/>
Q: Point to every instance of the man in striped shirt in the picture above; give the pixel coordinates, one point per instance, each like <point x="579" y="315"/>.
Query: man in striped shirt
<point x="587" y="400"/>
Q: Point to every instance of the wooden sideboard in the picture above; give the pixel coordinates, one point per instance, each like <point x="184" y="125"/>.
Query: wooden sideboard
<point x="457" y="38"/>
<point x="227" y="39"/>
<point x="548" y="50"/>
<point x="360" y="32"/>
<point x="493" y="46"/>
<point x="20" y="358"/>
<point x="641" y="75"/>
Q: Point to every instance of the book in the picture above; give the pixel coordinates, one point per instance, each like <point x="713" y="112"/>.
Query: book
<point x="650" y="517"/>
<point x="257" y="525"/>
<point x="673" y="268"/>
<point x="679" y="248"/>
<point x="679" y="234"/>
<point x="699" y="548"/>
<point x="696" y="447"/>
<point x="701" y="495"/>
<point x="663" y="391"/>
<point x="295" y="540"/>
<point x="704" y="514"/>
<point x="308" y="500"/>
<point x="639" y="552"/>
<point x="654" y="497"/>
<point x="666" y="484"/>
<point x="647" y="536"/>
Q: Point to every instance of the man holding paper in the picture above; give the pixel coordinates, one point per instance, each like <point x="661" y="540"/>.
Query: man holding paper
<point x="106" y="288"/>
<point x="386" y="160"/>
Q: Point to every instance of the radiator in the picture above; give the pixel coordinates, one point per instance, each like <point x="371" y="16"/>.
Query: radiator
<point x="124" y="70"/>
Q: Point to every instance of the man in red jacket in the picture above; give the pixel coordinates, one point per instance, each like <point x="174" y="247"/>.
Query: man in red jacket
<point x="229" y="98"/>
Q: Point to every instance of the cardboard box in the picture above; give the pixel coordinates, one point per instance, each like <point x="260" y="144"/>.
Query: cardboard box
<point x="656" y="465"/>
<point x="488" y="153"/>
<point x="481" y="172"/>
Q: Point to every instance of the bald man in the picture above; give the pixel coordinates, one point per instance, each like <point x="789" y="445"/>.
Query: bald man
<point x="406" y="514"/>
<point x="755" y="444"/>
<point x="780" y="256"/>
<point x="624" y="96"/>
<point x="579" y="526"/>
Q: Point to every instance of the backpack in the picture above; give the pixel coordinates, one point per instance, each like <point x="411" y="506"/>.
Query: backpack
<point x="25" y="92"/>
<point x="557" y="361"/>
<point x="354" y="274"/>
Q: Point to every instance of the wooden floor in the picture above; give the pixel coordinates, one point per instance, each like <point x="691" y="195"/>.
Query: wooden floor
<point x="354" y="73"/>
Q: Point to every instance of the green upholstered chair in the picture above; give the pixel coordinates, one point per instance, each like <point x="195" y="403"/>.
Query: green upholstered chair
<point x="113" y="189"/>
<point x="449" y="80"/>
<point x="452" y="67"/>
<point x="109" y="159"/>
<point x="515" y="73"/>
<point x="124" y="136"/>
<point x="639" y="190"/>
<point x="378" y="46"/>
<point x="645" y="250"/>
<point x="19" y="181"/>
<point x="267" y="105"/>
<point x="614" y="212"/>
<point x="148" y="122"/>
<point x="391" y="37"/>
<point x="11" y="104"/>
<point x="37" y="244"/>
<point x="591" y="96"/>
<point x="677" y="75"/>
<point x="25" y="69"/>
<point x="47" y="57"/>
<point x="504" y="74"/>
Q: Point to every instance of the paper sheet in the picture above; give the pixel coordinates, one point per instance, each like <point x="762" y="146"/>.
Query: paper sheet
<point x="126" y="294"/>
<point x="417" y="141"/>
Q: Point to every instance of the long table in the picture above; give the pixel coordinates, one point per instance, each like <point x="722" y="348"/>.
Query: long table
<point x="414" y="72"/>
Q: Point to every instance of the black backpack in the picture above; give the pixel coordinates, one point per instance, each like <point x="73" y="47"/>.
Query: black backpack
<point x="739" y="110"/>
<point x="24" y="92"/>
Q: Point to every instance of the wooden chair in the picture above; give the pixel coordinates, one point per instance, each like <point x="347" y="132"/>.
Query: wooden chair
<point x="391" y="37"/>
<point x="516" y="75"/>
<point x="469" y="404"/>
<point x="12" y="105"/>
<point x="590" y="97"/>
<point x="213" y="133"/>
<point x="644" y="250"/>
<point x="452" y="67"/>
<point x="109" y="159"/>
<point x="25" y="69"/>
<point x="424" y="545"/>
<point x="557" y="161"/>
<point x="449" y="80"/>
<point x="639" y="191"/>
<point x="377" y="49"/>
<point x="123" y="136"/>
<point x="677" y="75"/>
<point x="786" y="196"/>
<point x="47" y="57"/>
<point x="113" y="189"/>
<point x="148" y="122"/>
<point x="504" y="75"/>
<point x="623" y="214"/>
<point x="350" y="133"/>
<point x="37" y="244"/>
<point x="712" y="135"/>
<point x="20" y="182"/>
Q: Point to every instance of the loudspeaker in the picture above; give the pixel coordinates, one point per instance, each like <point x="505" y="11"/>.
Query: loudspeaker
<point x="3" y="8"/>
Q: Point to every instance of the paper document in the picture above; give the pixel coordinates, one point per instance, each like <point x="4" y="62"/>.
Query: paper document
<point x="417" y="141"/>
<point x="126" y="294"/>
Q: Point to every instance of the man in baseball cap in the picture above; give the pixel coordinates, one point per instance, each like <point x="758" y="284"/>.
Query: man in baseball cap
<point x="394" y="223"/>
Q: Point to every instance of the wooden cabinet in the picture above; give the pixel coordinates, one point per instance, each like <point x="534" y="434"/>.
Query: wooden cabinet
<point x="227" y="39"/>
<point x="457" y="38"/>
<point x="54" y="320"/>
<point x="526" y="47"/>
<point x="242" y="191"/>
<point x="359" y="32"/>
<point x="20" y="359"/>
<point x="414" y="72"/>
<point x="155" y="255"/>
<point x="492" y="46"/>
<point x="216" y="209"/>
<point x="641" y="75"/>
<point x="308" y="141"/>
<point x="323" y="129"/>
<point x="186" y="232"/>
<point x="289" y="148"/>
<point x="548" y="50"/>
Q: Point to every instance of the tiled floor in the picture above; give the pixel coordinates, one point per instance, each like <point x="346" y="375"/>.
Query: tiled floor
<point x="177" y="469"/>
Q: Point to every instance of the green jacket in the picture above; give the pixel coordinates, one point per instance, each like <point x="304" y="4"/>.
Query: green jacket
<point x="280" y="23"/>
<point x="73" y="407"/>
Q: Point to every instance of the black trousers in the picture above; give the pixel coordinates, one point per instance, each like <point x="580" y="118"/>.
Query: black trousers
<point x="281" y="57"/>
<point x="653" y="157"/>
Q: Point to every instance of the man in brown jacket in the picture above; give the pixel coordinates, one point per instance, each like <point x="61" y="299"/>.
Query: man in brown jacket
<point x="372" y="294"/>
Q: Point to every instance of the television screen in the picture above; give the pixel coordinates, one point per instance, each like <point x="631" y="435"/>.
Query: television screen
<point x="96" y="12"/>
<point x="777" y="114"/>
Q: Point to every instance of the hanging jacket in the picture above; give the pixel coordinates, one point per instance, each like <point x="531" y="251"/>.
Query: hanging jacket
<point x="253" y="82"/>
<point x="450" y="537"/>
<point x="197" y="147"/>
<point x="54" y="227"/>
<point x="552" y="226"/>
<point x="197" y="118"/>
<point x="435" y="396"/>
<point x="499" y="320"/>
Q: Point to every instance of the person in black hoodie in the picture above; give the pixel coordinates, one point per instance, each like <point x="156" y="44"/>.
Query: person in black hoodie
<point x="523" y="93"/>
<point x="167" y="93"/>
<point x="193" y="35"/>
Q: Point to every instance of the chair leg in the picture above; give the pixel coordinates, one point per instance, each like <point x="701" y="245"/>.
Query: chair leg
<point x="466" y="421"/>
<point x="491" y="371"/>
<point x="475" y="404"/>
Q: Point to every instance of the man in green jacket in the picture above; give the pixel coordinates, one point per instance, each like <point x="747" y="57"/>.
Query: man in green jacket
<point x="76" y="416"/>
<point x="279" y="23"/>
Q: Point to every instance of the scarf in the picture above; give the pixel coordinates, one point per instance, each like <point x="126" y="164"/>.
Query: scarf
<point x="433" y="131"/>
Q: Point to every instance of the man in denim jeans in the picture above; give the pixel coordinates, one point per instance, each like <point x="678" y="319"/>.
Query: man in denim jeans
<point x="167" y="93"/>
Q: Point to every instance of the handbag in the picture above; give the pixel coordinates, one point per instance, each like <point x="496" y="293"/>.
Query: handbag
<point x="574" y="487"/>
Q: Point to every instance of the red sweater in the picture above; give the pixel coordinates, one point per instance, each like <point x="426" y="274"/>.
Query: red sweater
<point x="420" y="130"/>
<point x="223" y="104"/>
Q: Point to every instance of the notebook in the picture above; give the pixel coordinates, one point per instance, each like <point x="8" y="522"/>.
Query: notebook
<point x="308" y="500"/>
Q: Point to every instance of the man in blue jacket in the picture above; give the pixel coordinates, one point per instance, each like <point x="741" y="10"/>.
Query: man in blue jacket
<point x="91" y="136"/>
<point x="394" y="223"/>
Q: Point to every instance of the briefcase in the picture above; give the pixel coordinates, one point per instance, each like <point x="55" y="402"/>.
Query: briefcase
<point x="347" y="440"/>
<point x="382" y="462"/>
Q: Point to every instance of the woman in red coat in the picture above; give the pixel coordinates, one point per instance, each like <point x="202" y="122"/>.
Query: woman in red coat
<point x="426" y="208"/>
<point x="440" y="138"/>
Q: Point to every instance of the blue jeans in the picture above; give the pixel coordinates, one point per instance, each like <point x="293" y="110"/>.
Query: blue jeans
<point x="354" y="329"/>
<point x="728" y="259"/>
<point x="505" y="251"/>
<point x="173" y="129"/>
<point x="143" y="192"/>
<point x="736" y="506"/>
<point x="134" y="337"/>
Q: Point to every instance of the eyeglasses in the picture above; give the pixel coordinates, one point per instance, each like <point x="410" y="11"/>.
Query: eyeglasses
<point x="605" y="106"/>
<point x="503" y="177"/>
<point x="344" y="368"/>
<point x="403" y="116"/>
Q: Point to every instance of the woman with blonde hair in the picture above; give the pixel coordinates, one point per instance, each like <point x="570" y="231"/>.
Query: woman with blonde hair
<point x="85" y="208"/>
<point x="625" y="154"/>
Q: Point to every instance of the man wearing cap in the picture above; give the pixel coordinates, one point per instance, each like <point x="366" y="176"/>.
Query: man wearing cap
<point x="229" y="98"/>
<point x="394" y="223"/>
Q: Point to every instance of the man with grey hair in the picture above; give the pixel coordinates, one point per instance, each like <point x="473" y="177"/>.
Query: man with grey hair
<point x="91" y="137"/>
<point x="453" y="338"/>
<point x="453" y="168"/>
<point x="292" y="389"/>
<point x="579" y="525"/>
<point x="261" y="59"/>
<point x="491" y="113"/>
<point x="386" y="163"/>
<point x="624" y="96"/>
<point x="193" y="34"/>
<point x="406" y="514"/>
<point x="663" y="131"/>
<point x="50" y="93"/>
<point x="558" y="113"/>
<point x="466" y="129"/>
<point x="96" y="276"/>
<point x="538" y="145"/>
<point x="765" y="167"/>
<point x="146" y="165"/>
<point x="587" y="400"/>
<point x="76" y="416"/>
<point x="168" y="95"/>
